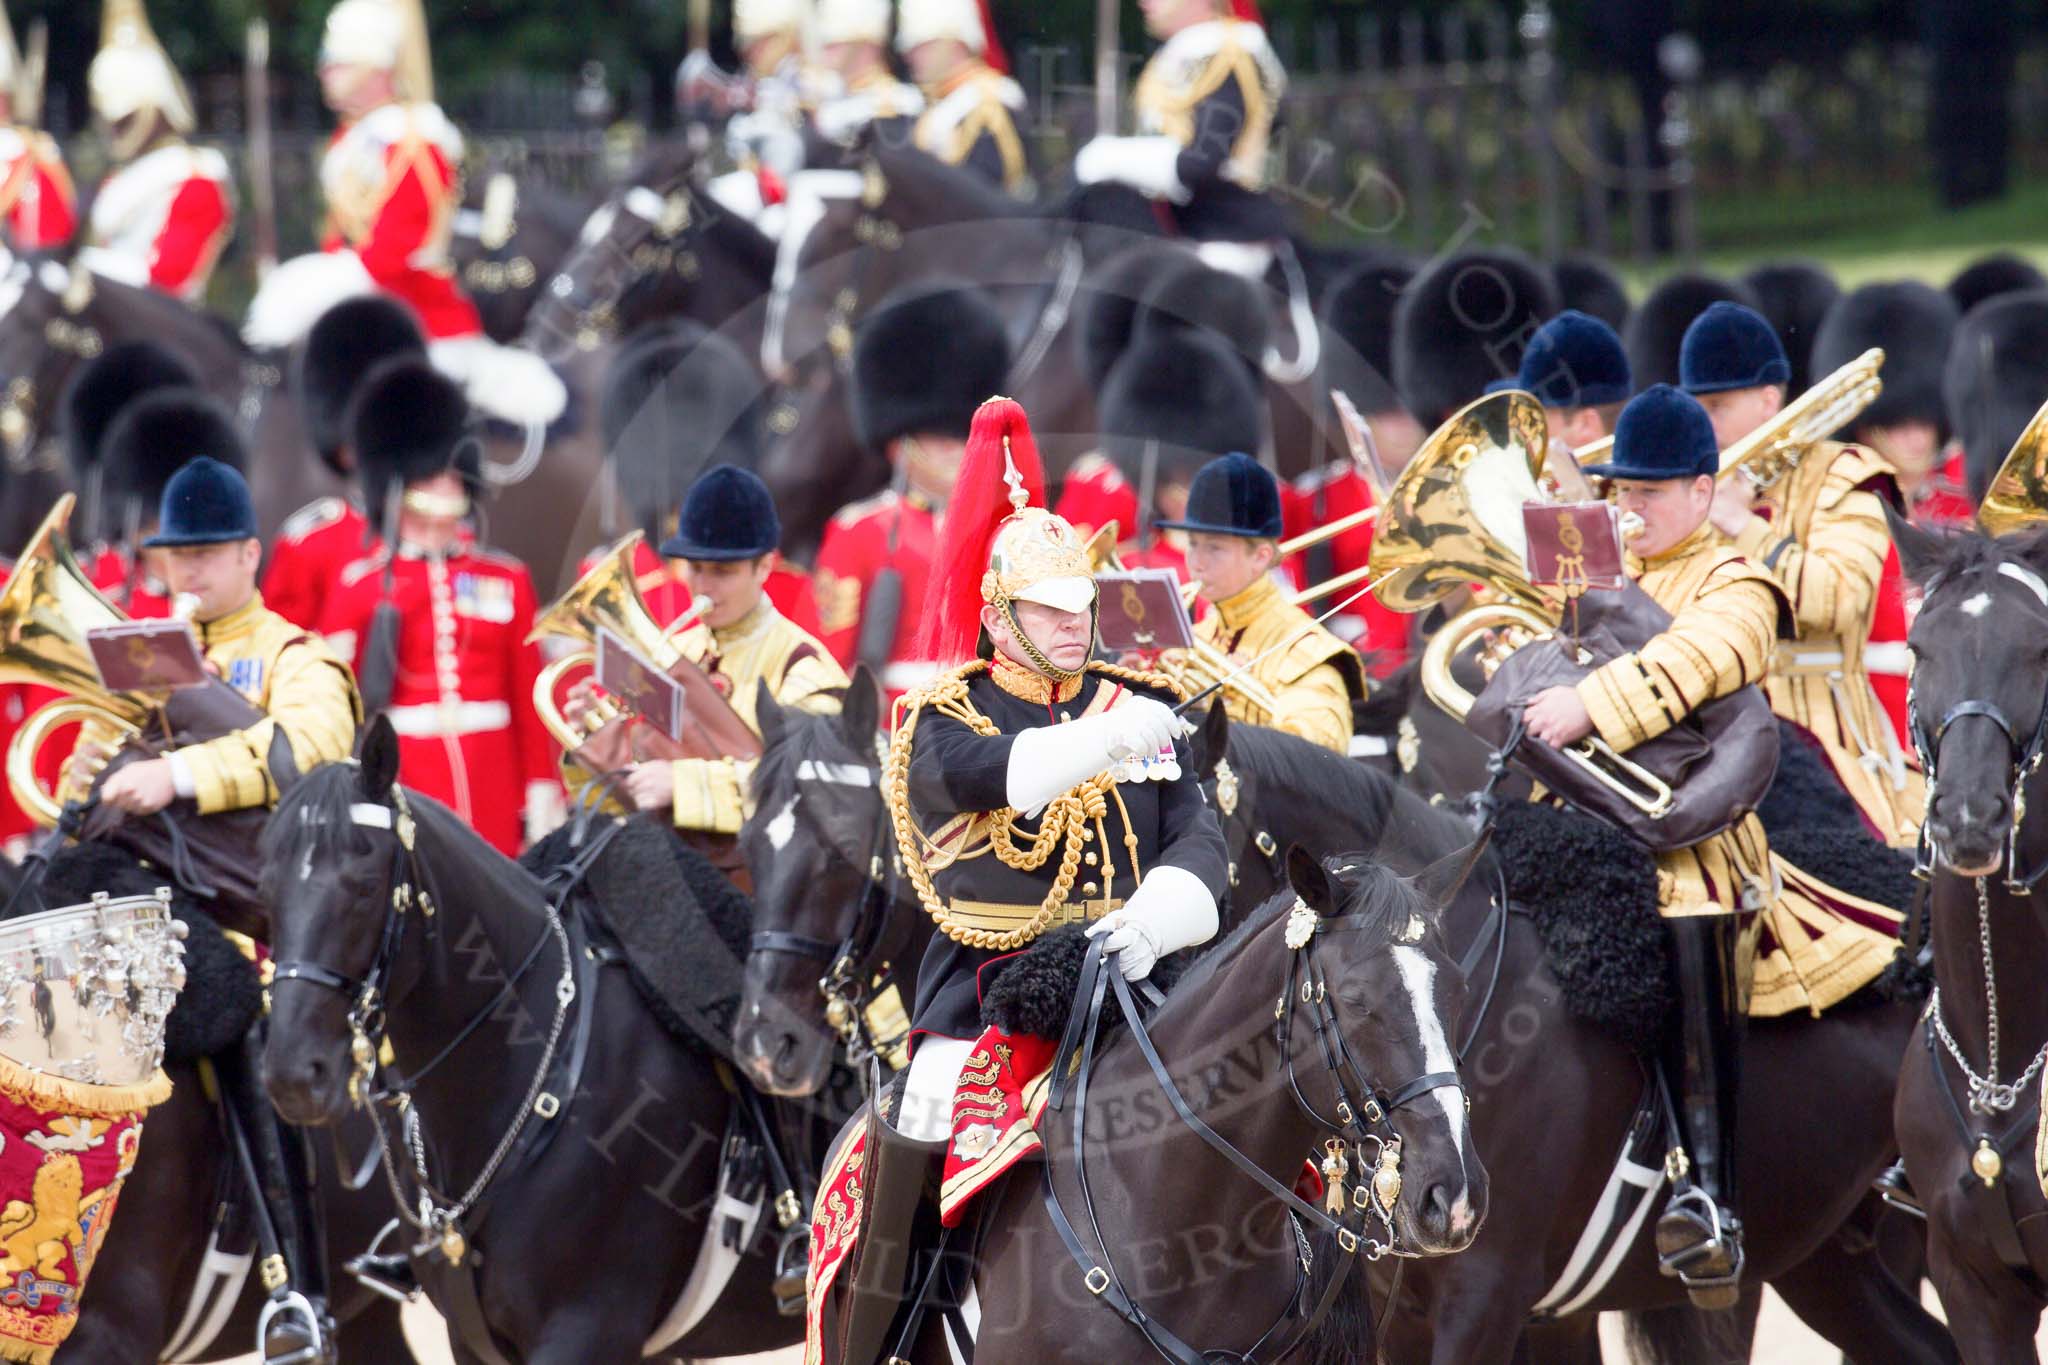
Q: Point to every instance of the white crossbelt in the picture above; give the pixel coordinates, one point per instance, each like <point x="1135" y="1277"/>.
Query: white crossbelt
<point x="431" y="719"/>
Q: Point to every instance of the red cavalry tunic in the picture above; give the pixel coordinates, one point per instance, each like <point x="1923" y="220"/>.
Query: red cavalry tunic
<point x="38" y="202"/>
<point x="314" y="545"/>
<point x="462" y="700"/>
<point x="161" y="220"/>
<point x="392" y="194"/>
<point x="855" y="549"/>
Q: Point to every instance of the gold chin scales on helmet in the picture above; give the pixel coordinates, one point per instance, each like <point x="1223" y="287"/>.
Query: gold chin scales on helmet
<point x="1453" y="519"/>
<point x="2017" y="499"/>
<point x="1037" y="556"/>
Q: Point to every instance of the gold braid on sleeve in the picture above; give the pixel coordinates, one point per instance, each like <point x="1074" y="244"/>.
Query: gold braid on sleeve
<point x="1064" y="825"/>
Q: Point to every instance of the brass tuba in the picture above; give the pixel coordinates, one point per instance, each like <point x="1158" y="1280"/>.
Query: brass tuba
<point x="2018" y="496"/>
<point x="1453" y="519"/>
<point x="608" y="596"/>
<point x="46" y="609"/>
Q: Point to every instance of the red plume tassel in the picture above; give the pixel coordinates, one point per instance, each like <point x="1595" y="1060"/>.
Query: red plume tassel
<point x="992" y="47"/>
<point x="980" y="503"/>
<point x="1247" y="10"/>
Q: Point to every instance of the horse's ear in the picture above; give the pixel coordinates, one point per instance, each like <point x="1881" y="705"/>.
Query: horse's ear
<point x="1921" y="552"/>
<point x="1311" y="880"/>
<point x="377" y="755"/>
<point x="1211" y="741"/>
<point x="861" y="713"/>
<point x="768" y="717"/>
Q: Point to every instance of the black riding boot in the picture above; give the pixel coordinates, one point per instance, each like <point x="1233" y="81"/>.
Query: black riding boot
<point x="295" y="1327"/>
<point x="1699" y="1238"/>
<point x="898" y="1170"/>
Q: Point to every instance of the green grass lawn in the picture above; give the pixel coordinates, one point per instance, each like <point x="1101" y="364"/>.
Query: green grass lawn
<point x="1892" y="234"/>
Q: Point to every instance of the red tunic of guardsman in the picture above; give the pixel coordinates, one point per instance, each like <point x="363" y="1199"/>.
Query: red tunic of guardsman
<point x="922" y="362"/>
<point x="329" y="533"/>
<point x="163" y="214"/>
<point x="457" y="682"/>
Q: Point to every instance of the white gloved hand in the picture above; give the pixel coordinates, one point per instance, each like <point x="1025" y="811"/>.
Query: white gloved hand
<point x="1149" y="165"/>
<point x="1049" y="759"/>
<point x="1170" y="910"/>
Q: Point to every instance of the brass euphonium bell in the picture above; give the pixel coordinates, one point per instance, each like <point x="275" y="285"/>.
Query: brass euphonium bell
<point x="1454" y="518"/>
<point x="2018" y="496"/>
<point x="46" y="609"/>
<point x="607" y="596"/>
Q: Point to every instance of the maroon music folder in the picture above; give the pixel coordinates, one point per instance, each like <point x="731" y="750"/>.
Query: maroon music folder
<point x="1140" y="611"/>
<point x="157" y="655"/>
<point x="1575" y="545"/>
<point x="641" y="688"/>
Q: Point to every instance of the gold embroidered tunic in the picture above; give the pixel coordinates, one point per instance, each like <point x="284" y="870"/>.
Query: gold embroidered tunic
<point x="972" y="122"/>
<point x="1312" y="681"/>
<point x="304" y="689"/>
<point x="1810" y="945"/>
<point x="1821" y="534"/>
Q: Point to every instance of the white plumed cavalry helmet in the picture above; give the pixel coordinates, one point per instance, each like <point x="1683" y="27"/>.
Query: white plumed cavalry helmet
<point x="852" y="21"/>
<point x="132" y="72"/>
<point x="753" y="20"/>
<point x="384" y="35"/>
<point x="921" y="21"/>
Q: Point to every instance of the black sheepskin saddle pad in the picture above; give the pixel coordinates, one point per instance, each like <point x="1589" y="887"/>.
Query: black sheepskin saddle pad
<point x="222" y="994"/>
<point x="1033" y="991"/>
<point x="1592" y="892"/>
<point x="680" y="925"/>
<point x="1804" y="793"/>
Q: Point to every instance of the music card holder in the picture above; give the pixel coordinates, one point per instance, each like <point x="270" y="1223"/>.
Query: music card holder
<point x="1574" y="545"/>
<point x="156" y="655"/>
<point x="1140" y="612"/>
<point x="640" y="687"/>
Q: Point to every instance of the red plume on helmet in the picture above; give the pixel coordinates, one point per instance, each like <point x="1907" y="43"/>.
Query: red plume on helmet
<point x="980" y="504"/>
<point x="1247" y="10"/>
<point x="992" y="53"/>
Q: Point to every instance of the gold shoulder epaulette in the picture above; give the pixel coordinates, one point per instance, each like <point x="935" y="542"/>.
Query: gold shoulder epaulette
<point x="1142" y="677"/>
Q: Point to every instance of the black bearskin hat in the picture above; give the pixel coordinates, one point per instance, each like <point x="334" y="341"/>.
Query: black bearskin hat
<point x="1358" y="319"/>
<point x="1656" y="330"/>
<point x="152" y="438"/>
<point x="344" y="345"/>
<point x="1995" y="379"/>
<point x="1914" y="323"/>
<point x="1111" y="297"/>
<point x="1587" y="284"/>
<point x="1987" y="277"/>
<point x="679" y="399"/>
<point x="1795" y="296"/>
<point x="105" y="385"/>
<point x="1463" y="322"/>
<point x="1197" y="296"/>
<point x="409" y="422"/>
<point x="1187" y="395"/>
<point x="924" y="360"/>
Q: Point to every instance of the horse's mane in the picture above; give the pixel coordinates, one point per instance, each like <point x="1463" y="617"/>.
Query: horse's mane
<point x="313" y="820"/>
<point x="1398" y="826"/>
<point x="1966" y="552"/>
<point x="805" y="737"/>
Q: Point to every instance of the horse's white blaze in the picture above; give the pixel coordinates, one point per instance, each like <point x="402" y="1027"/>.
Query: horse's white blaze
<point x="1977" y="605"/>
<point x="1418" y="974"/>
<point x="782" y="828"/>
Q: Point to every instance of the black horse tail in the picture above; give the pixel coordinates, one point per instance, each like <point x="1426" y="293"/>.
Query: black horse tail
<point x="1684" y="1335"/>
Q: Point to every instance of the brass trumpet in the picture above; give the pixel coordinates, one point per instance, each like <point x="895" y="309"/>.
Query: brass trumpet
<point x="1454" y="518"/>
<point x="608" y="596"/>
<point x="46" y="609"/>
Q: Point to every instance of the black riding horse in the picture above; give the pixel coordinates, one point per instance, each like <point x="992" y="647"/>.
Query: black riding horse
<point x="1553" y="1096"/>
<point x="566" y="1147"/>
<point x="1969" y="1095"/>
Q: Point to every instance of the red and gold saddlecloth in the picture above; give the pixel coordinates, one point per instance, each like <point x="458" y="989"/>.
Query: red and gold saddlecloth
<point x="65" y="1148"/>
